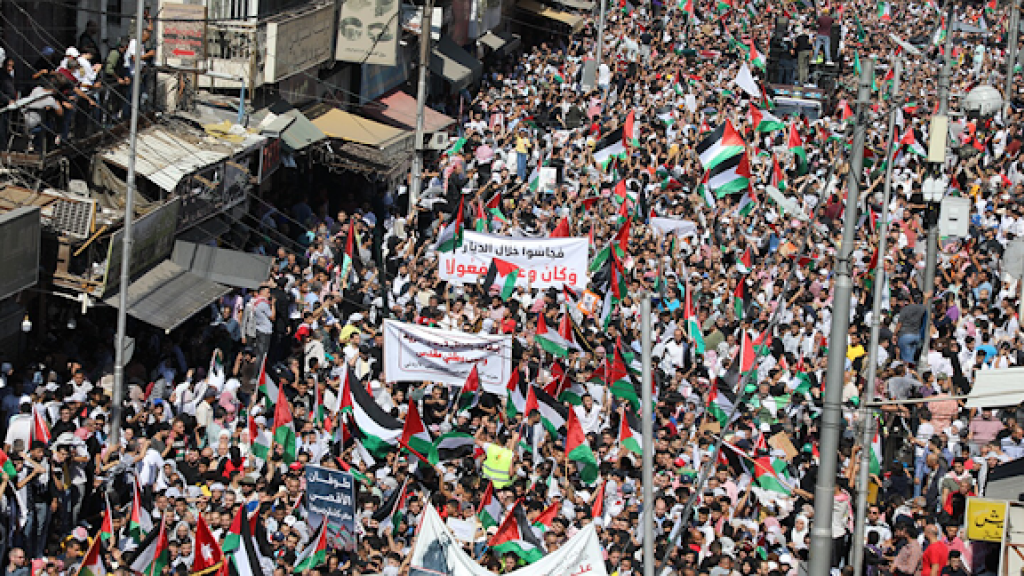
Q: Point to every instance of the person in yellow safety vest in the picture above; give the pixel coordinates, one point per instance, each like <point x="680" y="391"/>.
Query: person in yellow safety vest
<point x="500" y="458"/>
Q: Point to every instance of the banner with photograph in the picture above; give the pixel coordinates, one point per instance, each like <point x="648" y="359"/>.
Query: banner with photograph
<point x="416" y="353"/>
<point x="368" y="32"/>
<point x="331" y="495"/>
<point x="681" y="228"/>
<point x="437" y="551"/>
<point x="545" y="262"/>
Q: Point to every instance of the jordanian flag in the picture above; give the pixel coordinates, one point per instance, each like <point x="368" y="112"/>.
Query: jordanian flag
<point x="284" y="429"/>
<point x="450" y="238"/>
<point x="553" y="414"/>
<point x="875" y="463"/>
<point x="630" y="437"/>
<point x="719" y="145"/>
<point x="415" y="436"/>
<point x="692" y="323"/>
<point x="721" y="404"/>
<point x="796" y="146"/>
<point x="763" y="120"/>
<point x="6" y="466"/>
<point x="315" y="554"/>
<point x="578" y="450"/>
<point x="502" y="275"/>
<point x="452" y="446"/>
<point x="378" y="430"/>
<point x="92" y="563"/>
<point x="470" y="393"/>
<point x="731" y="176"/>
<point x="556" y="343"/>
<point x="491" y="510"/>
<point x="517" y="536"/>
<point x="153" y="555"/>
<point x="630" y="131"/>
<point x="259" y="440"/>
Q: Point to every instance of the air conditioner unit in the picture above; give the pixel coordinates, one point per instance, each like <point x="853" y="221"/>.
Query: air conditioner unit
<point x="436" y="141"/>
<point x="74" y="217"/>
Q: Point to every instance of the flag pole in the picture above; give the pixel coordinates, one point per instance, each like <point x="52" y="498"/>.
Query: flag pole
<point x="867" y="435"/>
<point x="648" y="436"/>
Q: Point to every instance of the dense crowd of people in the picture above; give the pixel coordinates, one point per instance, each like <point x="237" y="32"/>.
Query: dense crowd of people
<point x="742" y="295"/>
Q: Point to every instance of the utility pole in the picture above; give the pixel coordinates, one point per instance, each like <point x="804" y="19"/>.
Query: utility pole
<point x="416" y="180"/>
<point x="1011" y="51"/>
<point x="867" y="412"/>
<point x="939" y="129"/>
<point x="646" y="403"/>
<point x="126" y="246"/>
<point x="599" y="50"/>
<point x="832" y="419"/>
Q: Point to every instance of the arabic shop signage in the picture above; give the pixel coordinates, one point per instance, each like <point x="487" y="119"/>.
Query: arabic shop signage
<point x="415" y="353"/>
<point x="986" y="519"/>
<point x="545" y="263"/>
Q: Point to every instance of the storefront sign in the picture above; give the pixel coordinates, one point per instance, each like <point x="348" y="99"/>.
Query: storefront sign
<point x="547" y="262"/>
<point x="299" y="43"/>
<point x="368" y="32"/>
<point x="415" y="353"/>
<point x="985" y="519"/>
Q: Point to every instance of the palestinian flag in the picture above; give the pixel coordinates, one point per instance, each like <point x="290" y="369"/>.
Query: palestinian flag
<point x="745" y="263"/>
<point x="378" y="430"/>
<point x="266" y="385"/>
<point x="771" y="474"/>
<point x="470" y="394"/>
<point x="578" y="450"/>
<point x="747" y="357"/>
<point x="544" y="520"/>
<point x="763" y="120"/>
<point x="139" y="522"/>
<point x="450" y="238"/>
<point x="259" y="440"/>
<point x="561" y="229"/>
<point x="630" y="131"/>
<point x="724" y="5"/>
<point x="721" y="404"/>
<point x="862" y="35"/>
<point x="875" y="462"/>
<point x="884" y="12"/>
<point x="502" y="275"/>
<point x="845" y="112"/>
<point x="452" y="446"/>
<point x="746" y="204"/>
<point x="990" y="6"/>
<point x="719" y="145"/>
<point x="778" y="179"/>
<point x="208" y="557"/>
<point x="6" y="466"/>
<point x="692" y="323"/>
<point x="245" y="559"/>
<point x="610" y="148"/>
<point x="346" y="467"/>
<point x="619" y="382"/>
<point x="107" y="527"/>
<point x="40" y="429"/>
<point x="730" y="176"/>
<point x="687" y="6"/>
<point x="518" y="390"/>
<point x="553" y="414"/>
<point x="757" y="59"/>
<point x="494" y="208"/>
<point x="284" y="428"/>
<point x="491" y="510"/>
<point x="92" y="563"/>
<point x="630" y="437"/>
<point x="740" y="299"/>
<point x="704" y="191"/>
<point x="796" y="146"/>
<point x="911" y="143"/>
<point x="233" y="539"/>
<point x="597" y="502"/>
<point x="939" y="36"/>
<point x="456" y="147"/>
<point x="517" y="536"/>
<point x="347" y="258"/>
<point x="396" y="512"/>
<point x="554" y="343"/>
<point x="415" y="436"/>
<point x="153" y="554"/>
<point x="315" y="554"/>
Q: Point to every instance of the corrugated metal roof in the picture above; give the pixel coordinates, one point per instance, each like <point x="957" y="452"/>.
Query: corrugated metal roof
<point x="168" y="295"/>
<point x="164" y="156"/>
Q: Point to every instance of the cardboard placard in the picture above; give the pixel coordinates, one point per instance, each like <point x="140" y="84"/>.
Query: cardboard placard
<point x="781" y="442"/>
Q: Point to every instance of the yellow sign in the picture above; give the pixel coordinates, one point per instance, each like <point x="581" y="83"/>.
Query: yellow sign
<point x="985" y="519"/>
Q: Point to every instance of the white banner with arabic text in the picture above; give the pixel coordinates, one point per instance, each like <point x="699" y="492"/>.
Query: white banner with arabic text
<point x="414" y="353"/>
<point x="546" y="262"/>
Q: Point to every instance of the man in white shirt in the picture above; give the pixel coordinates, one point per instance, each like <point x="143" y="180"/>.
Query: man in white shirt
<point x="589" y="415"/>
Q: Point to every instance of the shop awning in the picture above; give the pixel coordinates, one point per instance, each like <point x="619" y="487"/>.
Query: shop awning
<point x="345" y="126"/>
<point x="165" y="156"/>
<point x="997" y="388"/>
<point x="491" y="40"/>
<point x="231" y="267"/>
<point x="295" y="130"/>
<point x="573" y="21"/>
<point x="500" y="42"/>
<point x="399" y="108"/>
<point x="454" y="64"/>
<point x="168" y="295"/>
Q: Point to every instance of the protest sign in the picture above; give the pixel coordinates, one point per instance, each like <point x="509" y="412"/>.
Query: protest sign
<point x="545" y="262"/>
<point x="415" y="353"/>
<point x="331" y="495"/>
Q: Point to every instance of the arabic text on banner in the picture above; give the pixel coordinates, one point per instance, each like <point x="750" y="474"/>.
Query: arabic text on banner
<point x="331" y="495"/>
<point x="415" y="353"/>
<point x="546" y="262"/>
